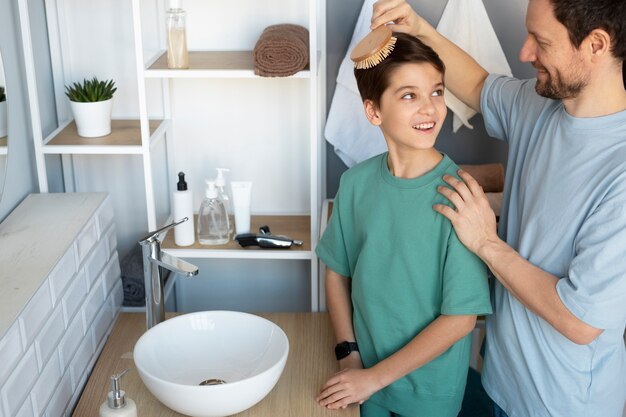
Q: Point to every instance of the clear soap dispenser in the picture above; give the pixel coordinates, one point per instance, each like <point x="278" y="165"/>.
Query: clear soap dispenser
<point x="117" y="404"/>
<point x="212" y="218"/>
<point x="177" y="54"/>
<point x="220" y="183"/>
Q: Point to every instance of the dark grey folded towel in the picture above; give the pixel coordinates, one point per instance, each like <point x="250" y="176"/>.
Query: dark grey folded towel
<point x="281" y="50"/>
<point x="134" y="292"/>
<point x="132" y="278"/>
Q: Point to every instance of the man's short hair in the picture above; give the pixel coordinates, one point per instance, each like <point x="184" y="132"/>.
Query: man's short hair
<point x="580" y="17"/>
<point x="374" y="81"/>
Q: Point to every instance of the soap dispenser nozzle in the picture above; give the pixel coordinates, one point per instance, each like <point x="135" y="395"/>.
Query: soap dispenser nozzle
<point x="117" y="397"/>
<point x="211" y="190"/>
<point x="220" y="181"/>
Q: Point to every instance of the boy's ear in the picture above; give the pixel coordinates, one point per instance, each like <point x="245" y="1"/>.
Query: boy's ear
<point x="372" y="113"/>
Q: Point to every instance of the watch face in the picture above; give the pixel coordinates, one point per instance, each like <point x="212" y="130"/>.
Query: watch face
<point x="342" y="350"/>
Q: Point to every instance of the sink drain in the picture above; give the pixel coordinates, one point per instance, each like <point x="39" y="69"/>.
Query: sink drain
<point x="213" y="381"/>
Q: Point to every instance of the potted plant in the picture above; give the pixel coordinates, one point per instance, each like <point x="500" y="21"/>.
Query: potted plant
<point x="91" y="102"/>
<point x="3" y="113"/>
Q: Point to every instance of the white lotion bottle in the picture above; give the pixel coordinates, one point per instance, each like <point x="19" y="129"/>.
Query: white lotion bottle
<point x="183" y="207"/>
<point x="241" y="205"/>
<point x="117" y="404"/>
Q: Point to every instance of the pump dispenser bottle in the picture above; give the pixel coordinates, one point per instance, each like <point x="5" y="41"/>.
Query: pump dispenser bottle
<point x="183" y="207"/>
<point x="117" y="404"/>
<point x="177" y="54"/>
<point x="212" y="218"/>
<point x="220" y="183"/>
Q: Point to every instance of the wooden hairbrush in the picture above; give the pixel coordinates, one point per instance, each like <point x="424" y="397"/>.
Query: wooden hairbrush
<point x="373" y="48"/>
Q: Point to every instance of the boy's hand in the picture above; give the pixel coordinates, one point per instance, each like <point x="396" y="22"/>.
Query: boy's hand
<point x="473" y="220"/>
<point x="399" y="12"/>
<point x="347" y="387"/>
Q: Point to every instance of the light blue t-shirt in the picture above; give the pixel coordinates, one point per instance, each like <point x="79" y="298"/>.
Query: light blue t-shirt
<point x="564" y="209"/>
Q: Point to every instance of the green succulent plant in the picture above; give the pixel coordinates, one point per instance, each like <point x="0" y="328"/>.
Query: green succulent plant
<point x="90" y="91"/>
<point x="3" y="96"/>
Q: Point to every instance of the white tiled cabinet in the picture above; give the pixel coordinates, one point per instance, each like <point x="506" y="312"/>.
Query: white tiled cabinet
<point x="60" y="292"/>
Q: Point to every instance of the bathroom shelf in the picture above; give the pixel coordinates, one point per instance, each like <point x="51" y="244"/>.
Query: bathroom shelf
<point x="296" y="227"/>
<point x="219" y="63"/>
<point x="211" y="64"/>
<point x="125" y="138"/>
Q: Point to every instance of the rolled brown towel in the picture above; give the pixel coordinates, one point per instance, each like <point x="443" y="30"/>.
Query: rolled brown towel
<point x="489" y="176"/>
<point x="281" y="50"/>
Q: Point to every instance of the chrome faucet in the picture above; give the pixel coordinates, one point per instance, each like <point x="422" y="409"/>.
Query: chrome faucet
<point x="153" y="260"/>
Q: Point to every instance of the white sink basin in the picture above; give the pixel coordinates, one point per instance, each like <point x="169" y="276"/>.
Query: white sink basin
<point x="245" y="351"/>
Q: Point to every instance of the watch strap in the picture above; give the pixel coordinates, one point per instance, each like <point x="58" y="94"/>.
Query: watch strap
<point x="345" y="348"/>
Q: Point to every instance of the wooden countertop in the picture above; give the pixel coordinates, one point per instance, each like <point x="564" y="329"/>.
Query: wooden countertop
<point x="311" y="361"/>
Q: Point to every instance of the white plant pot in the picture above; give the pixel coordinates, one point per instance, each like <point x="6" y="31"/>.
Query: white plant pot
<point x="92" y="119"/>
<point x="4" y="127"/>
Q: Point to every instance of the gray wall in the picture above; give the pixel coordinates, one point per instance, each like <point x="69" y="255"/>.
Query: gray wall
<point x="21" y="176"/>
<point x="465" y="146"/>
<point x="20" y="179"/>
<point x="45" y="89"/>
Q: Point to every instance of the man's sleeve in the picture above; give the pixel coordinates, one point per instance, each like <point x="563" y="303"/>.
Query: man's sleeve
<point x="595" y="288"/>
<point x="505" y="101"/>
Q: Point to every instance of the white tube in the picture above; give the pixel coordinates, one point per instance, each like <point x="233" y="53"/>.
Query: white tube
<point x="242" y="191"/>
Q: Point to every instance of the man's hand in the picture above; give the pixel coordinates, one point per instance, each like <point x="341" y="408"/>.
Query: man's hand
<point x="347" y="387"/>
<point x="399" y="12"/>
<point x="473" y="220"/>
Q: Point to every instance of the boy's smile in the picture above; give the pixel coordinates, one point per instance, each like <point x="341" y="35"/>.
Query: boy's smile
<point x="425" y="127"/>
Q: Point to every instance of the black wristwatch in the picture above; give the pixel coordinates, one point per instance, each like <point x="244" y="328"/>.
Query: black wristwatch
<point x="343" y="349"/>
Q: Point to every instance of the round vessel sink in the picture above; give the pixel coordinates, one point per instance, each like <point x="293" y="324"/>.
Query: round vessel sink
<point x="211" y="363"/>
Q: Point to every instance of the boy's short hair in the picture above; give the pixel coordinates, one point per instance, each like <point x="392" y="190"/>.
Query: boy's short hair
<point x="374" y="81"/>
<point x="580" y="17"/>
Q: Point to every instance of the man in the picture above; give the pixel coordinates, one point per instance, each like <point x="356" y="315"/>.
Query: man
<point x="555" y="341"/>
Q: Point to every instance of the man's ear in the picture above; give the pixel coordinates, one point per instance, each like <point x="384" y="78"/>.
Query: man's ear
<point x="372" y="113"/>
<point x="599" y="42"/>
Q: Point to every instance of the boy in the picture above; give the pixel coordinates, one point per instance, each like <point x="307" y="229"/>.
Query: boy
<point x="399" y="283"/>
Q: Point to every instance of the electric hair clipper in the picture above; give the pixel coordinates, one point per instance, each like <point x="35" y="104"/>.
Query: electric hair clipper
<point x="265" y="239"/>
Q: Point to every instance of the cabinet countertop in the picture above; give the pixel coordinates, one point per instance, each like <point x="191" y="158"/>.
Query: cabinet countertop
<point x="310" y="363"/>
<point x="33" y="238"/>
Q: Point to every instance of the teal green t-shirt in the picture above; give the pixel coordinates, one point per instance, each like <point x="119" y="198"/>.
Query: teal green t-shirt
<point x="407" y="267"/>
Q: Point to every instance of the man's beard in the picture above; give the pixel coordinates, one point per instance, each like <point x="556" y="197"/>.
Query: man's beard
<point x="556" y="88"/>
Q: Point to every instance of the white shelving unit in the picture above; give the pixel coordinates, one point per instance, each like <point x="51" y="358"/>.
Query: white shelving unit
<point x="238" y="64"/>
<point x="154" y="131"/>
<point x="128" y="137"/>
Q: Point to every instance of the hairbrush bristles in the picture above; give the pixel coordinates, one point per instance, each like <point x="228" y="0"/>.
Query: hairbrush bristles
<point x="378" y="57"/>
<point x="373" y="48"/>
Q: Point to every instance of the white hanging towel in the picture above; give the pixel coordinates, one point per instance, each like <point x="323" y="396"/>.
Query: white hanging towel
<point x="354" y="138"/>
<point x="466" y="23"/>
